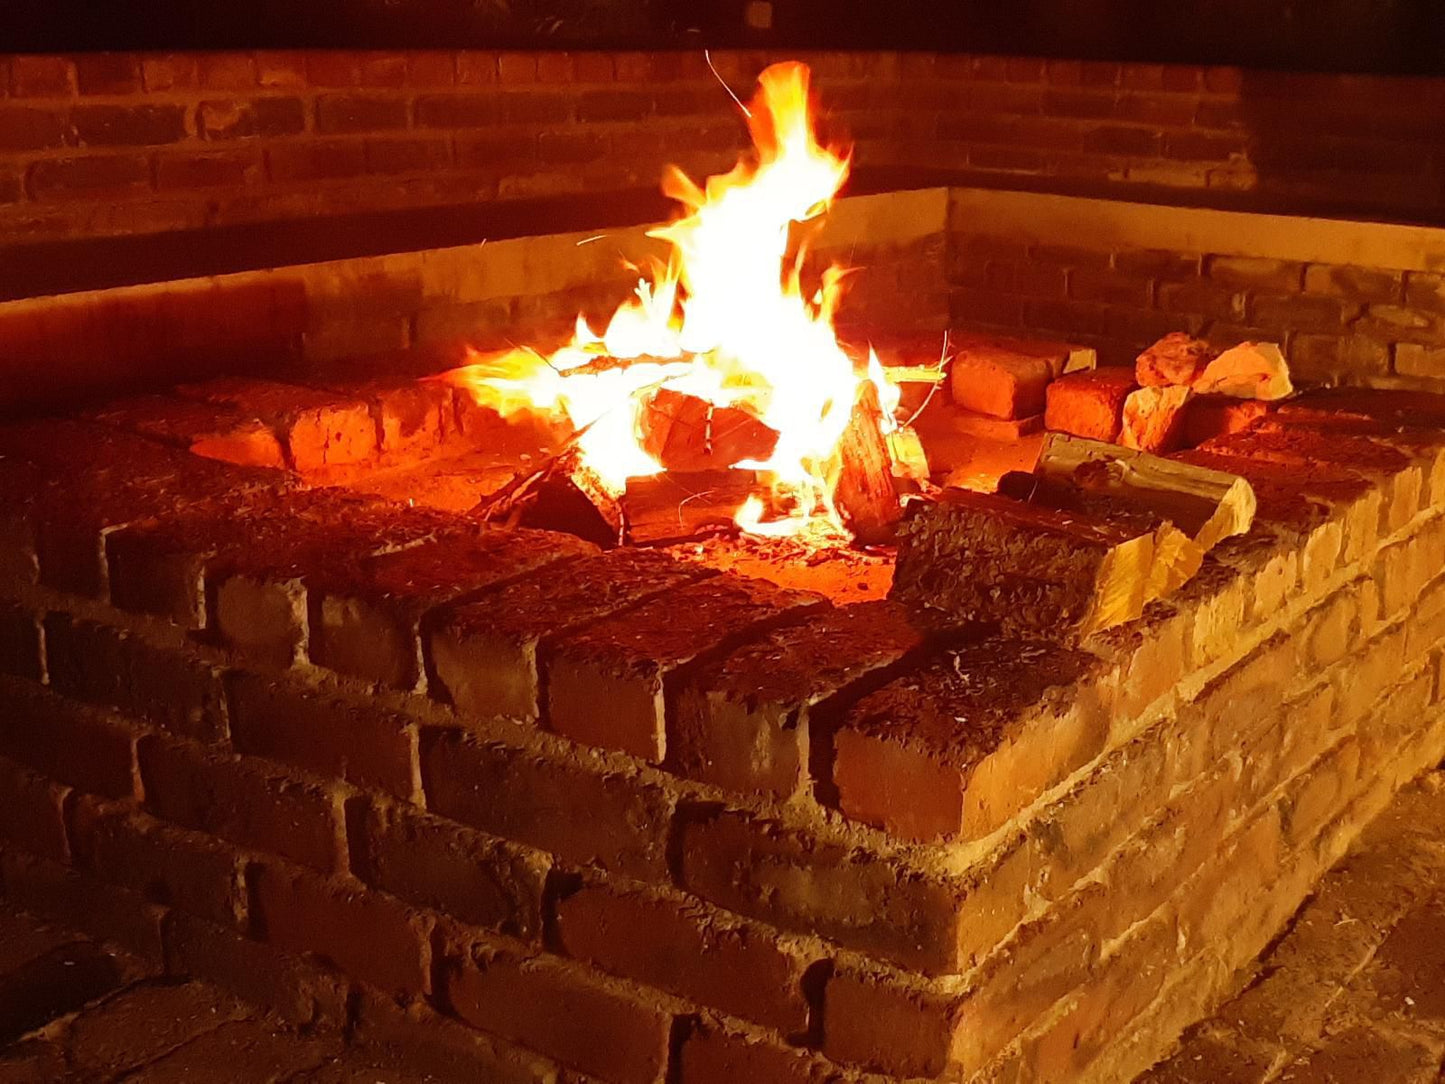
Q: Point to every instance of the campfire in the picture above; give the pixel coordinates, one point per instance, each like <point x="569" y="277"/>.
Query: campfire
<point x="720" y="392"/>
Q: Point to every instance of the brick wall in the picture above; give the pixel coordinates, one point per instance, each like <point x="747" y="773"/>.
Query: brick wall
<point x="113" y="144"/>
<point x="719" y="878"/>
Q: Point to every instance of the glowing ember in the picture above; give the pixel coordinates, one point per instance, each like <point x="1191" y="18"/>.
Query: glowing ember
<point x="725" y="322"/>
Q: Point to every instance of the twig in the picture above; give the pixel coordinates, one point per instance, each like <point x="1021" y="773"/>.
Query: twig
<point x="942" y="361"/>
<point x="746" y="111"/>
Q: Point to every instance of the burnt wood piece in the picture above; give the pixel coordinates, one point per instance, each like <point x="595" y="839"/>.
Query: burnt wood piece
<point x="606" y="362"/>
<point x="1206" y="504"/>
<point x="1089" y="404"/>
<point x="677" y="505"/>
<point x="977" y="557"/>
<point x="1153" y="419"/>
<point x="862" y="473"/>
<point x="686" y="433"/>
<point x="564" y="494"/>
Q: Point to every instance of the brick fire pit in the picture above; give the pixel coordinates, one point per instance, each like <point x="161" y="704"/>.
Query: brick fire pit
<point x="643" y="819"/>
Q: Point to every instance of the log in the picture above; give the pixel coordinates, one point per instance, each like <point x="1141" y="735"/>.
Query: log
<point x="1178" y="358"/>
<point x="686" y="433"/>
<point x="1032" y="571"/>
<point x="1247" y="371"/>
<point x="862" y="473"/>
<point x="678" y="505"/>
<point x="1208" y="505"/>
<point x="1153" y="419"/>
<point x="563" y="494"/>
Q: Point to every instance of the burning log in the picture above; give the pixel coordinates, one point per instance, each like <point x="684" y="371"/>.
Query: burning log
<point x="1153" y="419"/>
<point x="863" y="490"/>
<point x="1178" y="358"/>
<point x="564" y="494"/>
<point x="683" y="432"/>
<point x="678" y="505"/>
<point x="1033" y="571"/>
<point x="1247" y="371"/>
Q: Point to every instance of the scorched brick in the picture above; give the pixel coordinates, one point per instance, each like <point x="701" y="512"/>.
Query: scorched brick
<point x="563" y="1013"/>
<point x="483" y="655"/>
<point x="680" y="946"/>
<point x="583" y="817"/>
<point x="415" y="418"/>
<point x="957" y="748"/>
<point x="744" y="722"/>
<point x="366" y="618"/>
<point x="610" y="684"/>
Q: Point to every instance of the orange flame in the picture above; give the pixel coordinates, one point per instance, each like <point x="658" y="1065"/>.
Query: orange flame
<point x="726" y="321"/>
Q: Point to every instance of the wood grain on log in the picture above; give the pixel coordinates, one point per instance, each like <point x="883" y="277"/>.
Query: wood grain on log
<point x="678" y="505"/>
<point x="684" y="432"/>
<point x="862" y="473"/>
<point x="563" y="494"/>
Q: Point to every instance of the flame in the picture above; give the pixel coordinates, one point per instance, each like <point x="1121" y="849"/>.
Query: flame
<point x="726" y="320"/>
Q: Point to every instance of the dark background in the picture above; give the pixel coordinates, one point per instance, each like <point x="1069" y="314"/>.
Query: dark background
<point x="1322" y="35"/>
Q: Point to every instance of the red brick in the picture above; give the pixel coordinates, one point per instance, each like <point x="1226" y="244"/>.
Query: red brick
<point x="69" y="742"/>
<point x="226" y="71"/>
<point x="364" y="744"/>
<point x="128" y="125"/>
<point x="959" y="747"/>
<point x="562" y="1013"/>
<point x="1089" y="404"/>
<point x="744" y="722"/>
<point x="169" y="687"/>
<point x="711" y="1055"/>
<point x="1256" y="272"/>
<point x="316" y="160"/>
<point x="239" y="800"/>
<point x="437" y="864"/>
<point x="301" y="993"/>
<point x="42" y="77"/>
<point x="483" y="655"/>
<point x="759" y="868"/>
<point x="78" y="900"/>
<point x="998" y="382"/>
<point x="585" y="818"/>
<point x="250" y="1049"/>
<point x="476" y="67"/>
<point x="32" y="814"/>
<point x="20" y="649"/>
<point x="170" y="71"/>
<point x="24" y="128"/>
<point x="240" y="118"/>
<point x="688" y="950"/>
<point x="368" y="935"/>
<point x="144" y="1022"/>
<point x="632" y="662"/>
<point x="346" y="113"/>
<point x="884" y="1025"/>
<point x="221" y="170"/>
<point x="457" y="111"/>
<point x="366" y="620"/>
<point x="168" y="866"/>
<point x="89" y="177"/>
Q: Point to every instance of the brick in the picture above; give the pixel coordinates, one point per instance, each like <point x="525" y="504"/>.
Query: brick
<point x="89" y="177"/>
<point x="299" y="992"/>
<point x="366" y="620"/>
<point x="686" y="949"/>
<point x="217" y="170"/>
<point x="1089" y="404"/>
<point x="169" y="71"/>
<point x="1363" y="284"/>
<point x="632" y="662"/>
<point x="80" y="901"/>
<point x="458" y="111"/>
<point x="368" y="935"/>
<point x="483" y="656"/>
<point x="363" y="744"/>
<point x="317" y="160"/>
<point x="561" y="1013"/>
<point x="24" y="128"/>
<point x="128" y="125"/>
<point x="712" y="1055"/>
<point x="1412" y="359"/>
<point x="759" y="868"/>
<point x="55" y="984"/>
<point x="20" y="646"/>
<point x="609" y="820"/>
<point x="144" y="1022"/>
<point x="238" y="800"/>
<point x="958" y="748"/>
<point x="882" y="1025"/>
<point x="347" y="114"/>
<point x="1424" y="290"/>
<point x="226" y="71"/>
<point x="32" y="812"/>
<point x="251" y="1049"/>
<point x="169" y="687"/>
<point x="1204" y="298"/>
<point x="745" y="722"/>
<point x="1300" y="312"/>
<point x="998" y="382"/>
<point x="439" y="865"/>
<point x="42" y="77"/>
<point x="1359" y="1052"/>
<point x="68" y="742"/>
<point x="170" y="867"/>
<point x="250" y="117"/>
<point x="1256" y="272"/>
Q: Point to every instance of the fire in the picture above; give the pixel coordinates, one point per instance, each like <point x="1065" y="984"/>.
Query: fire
<point x="725" y="321"/>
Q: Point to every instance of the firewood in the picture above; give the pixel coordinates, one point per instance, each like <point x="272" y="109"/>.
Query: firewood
<point x="1033" y="571"/>
<point x="563" y="494"/>
<point x="1089" y="404"/>
<point x="862" y="473"/>
<point x="1178" y="358"/>
<point x="1208" y="505"/>
<point x="1247" y="371"/>
<point x="1153" y="419"/>
<point x="677" y="505"/>
<point x="684" y="432"/>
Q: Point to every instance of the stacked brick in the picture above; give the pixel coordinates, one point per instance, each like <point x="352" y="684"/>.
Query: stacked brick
<point x="1335" y="323"/>
<point x="358" y="760"/>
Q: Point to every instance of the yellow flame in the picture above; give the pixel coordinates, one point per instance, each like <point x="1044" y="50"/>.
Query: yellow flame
<point x="726" y="320"/>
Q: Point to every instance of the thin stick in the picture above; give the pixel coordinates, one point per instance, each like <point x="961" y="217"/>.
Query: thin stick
<point x="746" y="112"/>
<point x="942" y="360"/>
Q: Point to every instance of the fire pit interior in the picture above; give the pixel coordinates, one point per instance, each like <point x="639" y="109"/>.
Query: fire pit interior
<point x="938" y="633"/>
